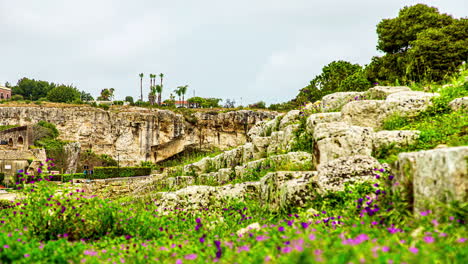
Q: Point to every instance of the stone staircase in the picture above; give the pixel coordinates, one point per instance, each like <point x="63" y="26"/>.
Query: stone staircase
<point x="343" y="141"/>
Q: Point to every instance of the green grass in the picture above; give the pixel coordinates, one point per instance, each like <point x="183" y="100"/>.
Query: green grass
<point x="2" y="128"/>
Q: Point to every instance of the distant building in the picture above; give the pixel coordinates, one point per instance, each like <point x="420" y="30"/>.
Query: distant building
<point x="181" y="103"/>
<point x="5" y="93"/>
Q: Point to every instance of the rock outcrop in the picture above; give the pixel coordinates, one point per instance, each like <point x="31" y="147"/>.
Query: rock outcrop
<point x="438" y="175"/>
<point x="139" y="134"/>
<point x="459" y="104"/>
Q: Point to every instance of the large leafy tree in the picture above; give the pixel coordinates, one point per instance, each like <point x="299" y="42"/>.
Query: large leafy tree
<point x="333" y="79"/>
<point x="32" y="89"/>
<point x="396" y="34"/>
<point x="63" y="94"/>
<point x="438" y="52"/>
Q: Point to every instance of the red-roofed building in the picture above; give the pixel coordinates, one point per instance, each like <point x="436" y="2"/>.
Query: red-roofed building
<point x="5" y="93"/>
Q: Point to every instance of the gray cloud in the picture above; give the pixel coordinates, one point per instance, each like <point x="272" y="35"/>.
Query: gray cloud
<point x="255" y="49"/>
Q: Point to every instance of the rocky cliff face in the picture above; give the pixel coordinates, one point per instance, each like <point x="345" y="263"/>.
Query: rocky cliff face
<point x="138" y="134"/>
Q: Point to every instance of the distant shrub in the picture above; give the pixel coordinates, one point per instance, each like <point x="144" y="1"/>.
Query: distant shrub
<point x="66" y="177"/>
<point x="104" y="106"/>
<point x="118" y="102"/>
<point x="17" y="97"/>
<point x="115" y="172"/>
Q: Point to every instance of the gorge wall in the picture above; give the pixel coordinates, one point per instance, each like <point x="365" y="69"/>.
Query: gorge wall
<point x="139" y="134"/>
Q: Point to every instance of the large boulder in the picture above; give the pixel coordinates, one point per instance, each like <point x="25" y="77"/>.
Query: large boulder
<point x="335" y="101"/>
<point x="438" y="175"/>
<point x="283" y="189"/>
<point x="189" y="198"/>
<point x="338" y="139"/>
<point x="290" y="118"/>
<point x="397" y="138"/>
<point x="407" y="103"/>
<point x="333" y="175"/>
<point x="372" y="113"/>
<point x="381" y="92"/>
<point x="281" y="141"/>
<point x="459" y="104"/>
<point x="315" y="119"/>
<point x="366" y="113"/>
<point x="240" y="191"/>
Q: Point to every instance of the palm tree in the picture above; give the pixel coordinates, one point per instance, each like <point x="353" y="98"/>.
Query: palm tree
<point x="183" y="90"/>
<point x="178" y="92"/>
<point x="161" y="75"/>
<point x="158" y="90"/>
<point x="141" y="86"/>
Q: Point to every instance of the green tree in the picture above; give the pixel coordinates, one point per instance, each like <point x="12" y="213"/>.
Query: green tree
<point x="330" y="80"/>
<point x="129" y="99"/>
<point x="141" y="86"/>
<point x="196" y="101"/>
<point x="31" y="89"/>
<point x="63" y="94"/>
<point x="158" y="90"/>
<point x="437" y="52"/>
<point x="183" y="90"/>
<point x="396" y="34"/>
<point x="86" y="96"/>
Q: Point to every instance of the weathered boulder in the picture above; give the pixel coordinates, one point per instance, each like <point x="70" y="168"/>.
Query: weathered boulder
<point x="281" y="189"/>
<point x="290" y="118"/>
<point x="381" y="92"/>
<point x="180" y="182"/>
<point x="191" y="197"/>
<point x="338" y="139"/>
<point x="372" y="113"/>
<point x="260" y="146"/>
<point x="335" y="101"/>
<point x="433" y="175"/>
<point x="407" y="103"/>
<point x="241" y="191"/>
<point x="363" y="113"/>
<point x="315" y="119"/>
<point x="398" y="138"/>
<point x="459" y="104"/>
<point x="264" y="128"/>
<point x="332" y="175"/>
<point x="281" y="141"/>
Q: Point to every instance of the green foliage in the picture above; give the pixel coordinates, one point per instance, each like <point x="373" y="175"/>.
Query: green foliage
<point x="17" y="97"/>
<point x="129" y="99"/>
<point x="198" y="102"/>
<point x="32" y="89"/>
<point x="106" y="94"/>
<point x="395" y="35"/>
<point x="51" y="127"/>
<point x="7" y="127"/>
<point x="63" y="94"/>
<point x="259" y="105"/>
<point x="336" y="76"/>
<point x="66" y="177"/>
<point x="115" y="172"/>
<point x="104" y="106"/>
<point x="2" y="177"/>
<point x="118" y="102"/>
<point x="286" y="106"/>
<point x="85" y="97"/>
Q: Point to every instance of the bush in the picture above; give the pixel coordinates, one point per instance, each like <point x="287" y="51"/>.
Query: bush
<point x="115" y="172"/>
<point x="2" y="178"/>
<point x="66" y="177"/>
<point x="103" y="106"/>
<point x="118" y="102"/>
<point x="16" y="97"/>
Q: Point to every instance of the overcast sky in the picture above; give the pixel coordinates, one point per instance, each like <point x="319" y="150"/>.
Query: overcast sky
<point x="255" y="49"/>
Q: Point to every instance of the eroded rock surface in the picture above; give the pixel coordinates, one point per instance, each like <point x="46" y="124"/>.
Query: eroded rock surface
<point x="437" y="175"/>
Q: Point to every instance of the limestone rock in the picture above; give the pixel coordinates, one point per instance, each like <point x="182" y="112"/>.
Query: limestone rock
<point x="399" y="138"/>
<point x="191" y="197"/>
<point x="335" y="101"/>
<point x="332" y="175"/>
<point x="288" y="119"/>
<point x="433" y="175"/>
<point x="459" y="104"/>
<point x="242" y="191"/>
<point x="72" y="153"/>
<point x="241" y="232"/>
<point x="381" y="92"/>
<point x="315" y="119"/>
<point x="282" y="189"/>
<point x="363" y="113"/>
<point x="281" y="141"/>
<point x="407" y="103"/>
<point x="338" y="139"/>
